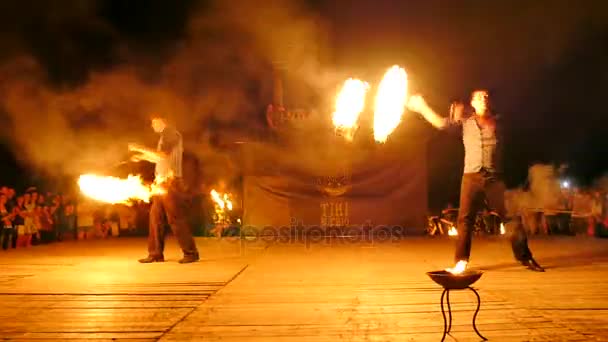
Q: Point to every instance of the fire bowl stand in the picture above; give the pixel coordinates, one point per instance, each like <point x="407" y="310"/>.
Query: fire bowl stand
<point x="447" y="326"/>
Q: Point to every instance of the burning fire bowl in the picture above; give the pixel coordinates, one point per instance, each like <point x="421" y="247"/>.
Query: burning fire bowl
<point x="450" y="281"/>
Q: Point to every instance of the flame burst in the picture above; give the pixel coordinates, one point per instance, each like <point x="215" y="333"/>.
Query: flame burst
<point x="460" y="267"/>
<point x="115" y="190"/>
<point x="452" y="231"/>
<point x="222" y="204"/>
<point x="390" y="103"/>
<point x="349" y="105"/>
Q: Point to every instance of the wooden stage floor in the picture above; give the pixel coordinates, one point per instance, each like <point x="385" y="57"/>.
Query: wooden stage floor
<point x="337" y="290"/>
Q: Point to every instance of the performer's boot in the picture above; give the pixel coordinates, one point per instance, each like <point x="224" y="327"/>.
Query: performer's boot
<point x="532" y="265"/>
<point x="150" y="259"/>
<point x="189" y="258"/>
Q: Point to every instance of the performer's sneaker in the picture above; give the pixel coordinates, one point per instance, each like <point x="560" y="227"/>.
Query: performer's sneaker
<point x="189" y="258"/>
<point x="150" y="259"/>
<point x="532" y="265"/>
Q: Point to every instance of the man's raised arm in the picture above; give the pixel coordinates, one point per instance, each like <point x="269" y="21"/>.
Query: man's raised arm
<point x="416" y="103"/>
<point x="146" y="154"/>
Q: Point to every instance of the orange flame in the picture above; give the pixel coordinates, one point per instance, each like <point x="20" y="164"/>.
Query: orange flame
<point x="460" y="267"/>
<point x="452" y="231"/>
<point x="390" y="102"/>
<point x="115" y="190"/>
<point x="349" y="105"/>
<point x="502" y="229"/>
<point x="223" y="203"/>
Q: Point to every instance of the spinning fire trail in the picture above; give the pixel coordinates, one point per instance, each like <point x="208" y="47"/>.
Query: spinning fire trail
<point x="125" y="191"/>
<point x="349" y="105"/>
<point x="390" y="103"/>
<point x="115" y="190"/>
<point x="391" y="98"/>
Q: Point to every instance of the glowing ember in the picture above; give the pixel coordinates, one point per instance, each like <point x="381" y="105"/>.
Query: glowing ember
<point x="502" y="229"/>
<point x="222" y="204"/>
<point x="460" y="267"/>
<point x="390" y="102"/>
<point x="452" y="231"/>
<point x="117" y="190"/>
<point x="349" y="105"/>
<point x="221" y="217"/>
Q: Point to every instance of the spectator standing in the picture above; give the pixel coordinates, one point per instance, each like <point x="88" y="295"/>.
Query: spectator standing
<point x="99" y="219"/>
<point x="37" y="219"/>
<point x="60" y="221"/>
<point x="46" y="224"/>
<point x="49" y="198"/>
<point x="10" y="196"/>
<point x="19" y="222"/>
<point x="53" y="212"/>
<point x="70" y="218"/>
<point x="29" y="203"/>
<point x="6" y="216"/>
<point x="596" y="213"/>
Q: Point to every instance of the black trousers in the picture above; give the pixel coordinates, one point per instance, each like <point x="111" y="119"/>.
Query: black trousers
<point x="476" y="187"/>
<point x="170" y="208"/>
<point x="7" y="237"/>
<point x="15" y="235"/>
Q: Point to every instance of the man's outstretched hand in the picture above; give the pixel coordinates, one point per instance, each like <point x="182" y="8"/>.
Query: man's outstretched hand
<point x="457" y="110"/>
<point x="137" y="158"/>
<point x="144" y="153"/>
<point x="136" y="147"/>
<point x="416" y="103"/>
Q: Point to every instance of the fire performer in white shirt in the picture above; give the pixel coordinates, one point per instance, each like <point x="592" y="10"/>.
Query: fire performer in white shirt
<point x="170" y="204"/>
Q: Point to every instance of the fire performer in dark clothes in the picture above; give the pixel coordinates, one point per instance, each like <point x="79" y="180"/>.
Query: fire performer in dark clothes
<point x="482" y="174"/>
<point x="171" y="203"/>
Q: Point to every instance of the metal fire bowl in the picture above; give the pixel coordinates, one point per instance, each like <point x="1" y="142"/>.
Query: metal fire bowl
<point x="452" y="281"/>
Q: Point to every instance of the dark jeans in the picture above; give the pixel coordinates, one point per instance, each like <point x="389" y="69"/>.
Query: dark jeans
<point x="47" y="236"/>
<point x="170" y="208"/>
<point x="474" y="188"/>
<point x="7" y="237"/>
<point x="578" y="225"/>
<point x="15" y="236"/>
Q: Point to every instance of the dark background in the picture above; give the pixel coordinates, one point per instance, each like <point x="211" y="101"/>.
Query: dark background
<point x="546" y="63"/>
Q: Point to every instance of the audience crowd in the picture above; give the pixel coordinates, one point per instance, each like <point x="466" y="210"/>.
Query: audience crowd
<point x="33" y="218"/>
<point x="572" y="211"/>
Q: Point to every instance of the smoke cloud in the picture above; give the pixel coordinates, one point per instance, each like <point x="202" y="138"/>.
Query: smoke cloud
<point x="214" y="84"/>
<point x="75" y="86"/>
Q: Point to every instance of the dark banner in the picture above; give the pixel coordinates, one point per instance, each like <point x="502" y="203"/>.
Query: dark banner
<point x="328" y="182"/>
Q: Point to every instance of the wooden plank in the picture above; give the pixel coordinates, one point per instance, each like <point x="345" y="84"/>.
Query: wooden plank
<point x="334" y="294"/>
<point x="333" y="291"/>
<point x="76" y="336"/>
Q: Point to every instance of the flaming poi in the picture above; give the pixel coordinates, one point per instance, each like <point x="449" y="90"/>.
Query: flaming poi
<point x="115" y="190"/>
<point x="390" y="102"/>
<point x="223" y="204"/>
<point x="221" y="217"/>
<point x="349" y="105"/>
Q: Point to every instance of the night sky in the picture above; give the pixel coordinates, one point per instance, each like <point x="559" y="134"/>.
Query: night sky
<point x="546" y="63"/>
